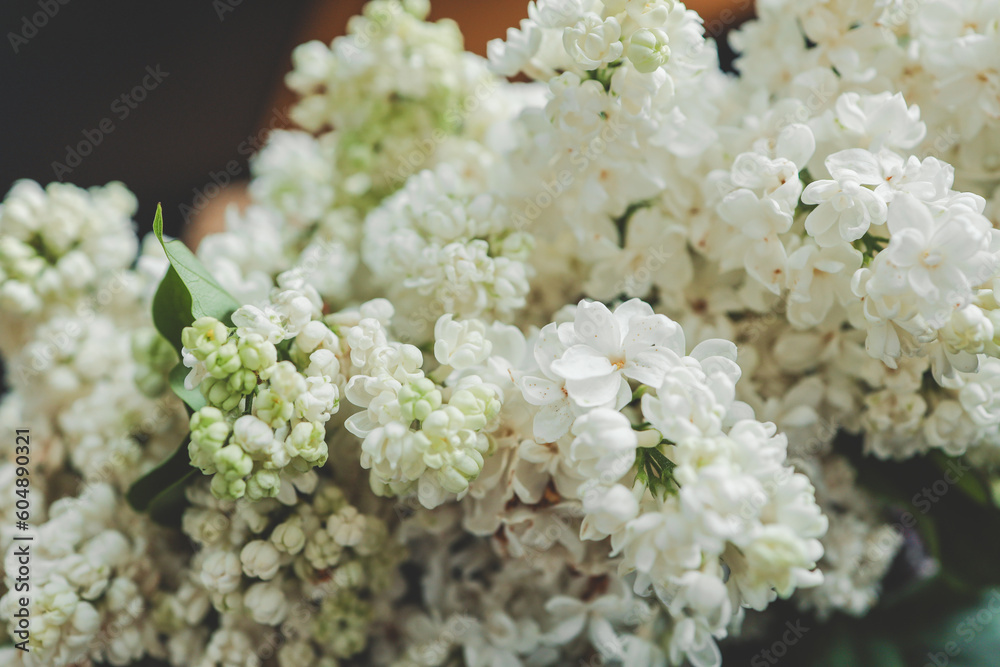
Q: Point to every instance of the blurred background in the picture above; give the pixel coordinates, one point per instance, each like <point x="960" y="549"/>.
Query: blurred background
<point x="171" y="98"/>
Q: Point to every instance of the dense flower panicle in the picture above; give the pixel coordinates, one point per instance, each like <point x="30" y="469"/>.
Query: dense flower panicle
<point x="480" y="402"/>
<point x="60" y="247"/>
<point x="264" y="417"/>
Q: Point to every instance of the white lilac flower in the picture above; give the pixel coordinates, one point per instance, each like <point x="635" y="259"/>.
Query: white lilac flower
<point x="606" y="348"/>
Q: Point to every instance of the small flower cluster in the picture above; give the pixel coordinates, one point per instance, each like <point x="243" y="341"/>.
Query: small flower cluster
<point x="59" y="245"/>
<point x="417" y="433"/>
<point x="264" y="416"/>
<point x="699" y="501"/>
<point x="439" y="249"/>
<point x="78" y="347"/>
<point x="292" y="576"/>
<point x="393" y="81"/>
<point x="90" y="581"/>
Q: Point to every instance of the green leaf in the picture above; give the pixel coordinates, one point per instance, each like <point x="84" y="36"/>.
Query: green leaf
<point x="188" y="291"/>
<point x="160" y="492"/>
<point x="172" y="308"/>
<point x="193" y="398"/>
<point x="167" y="508"/>
<point x="973" y="483"/>
<point x="655" y="471"/>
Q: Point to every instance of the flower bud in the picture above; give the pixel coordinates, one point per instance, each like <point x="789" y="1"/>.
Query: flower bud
<point x="288" y="537"/>
<point x="307" y="441"/>
<point x="223" y="361"/>
<point x="260" y="559"/>
<point x="267" y="603"/>
<point x="347" y="527"/>
<point x="227" y="489"/>
<point x="263" y="484"/>
<point x="220" y="572"/>
<point x="232" y="462"/>
<point x="256" y="353"/>
<point x="204" y="336"/>
<point x="241" y="382"/>
<point x="218" y="394"/>
<point x="418" y="399"/>
<point x="648" y="49"/>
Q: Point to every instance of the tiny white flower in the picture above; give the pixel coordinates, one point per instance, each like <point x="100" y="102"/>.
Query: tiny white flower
<point x="593" y="41"/>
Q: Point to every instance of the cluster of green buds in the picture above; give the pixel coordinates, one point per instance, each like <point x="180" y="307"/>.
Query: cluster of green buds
<point x="282" y="429"/>
<point x="233" y="364"/>
<point x="247" y="457"/>
<point x="321" y="548"/>
<point x="439" y="446"/>
<point x="455" y="438"/>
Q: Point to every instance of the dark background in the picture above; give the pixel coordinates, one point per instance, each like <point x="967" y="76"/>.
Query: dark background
<point x="64" y="80"/>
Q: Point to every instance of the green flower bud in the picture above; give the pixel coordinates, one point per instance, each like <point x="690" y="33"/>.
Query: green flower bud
<point x="218" y="394"/>
<point x="263" y="484"/>
<point x="307" y="441"/>
<point x="242" y="381"/>
<point x="257" y="353"/>
<point x="232" y="462"/>
<point x="272" y="409"/>
<point x="223" y="361"/>
<point x="479" y="404"/>
<point x="224" y="489"/>
<point x="419" y="399"/>
<point x="289" y="537"/>
<point x="468" y="462"/>
<point x="648" y="49"/>
<point x="209" y="432"/>
<point x="461" y="464"/>
<point x="204" y="336"/>
<point x="452" y="480"/>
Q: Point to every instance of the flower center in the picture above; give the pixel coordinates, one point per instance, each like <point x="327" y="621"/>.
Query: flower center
<point x="930" y="258"/>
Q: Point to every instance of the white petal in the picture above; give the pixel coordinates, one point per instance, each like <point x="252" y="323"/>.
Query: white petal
<point x="580" y="362"/>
